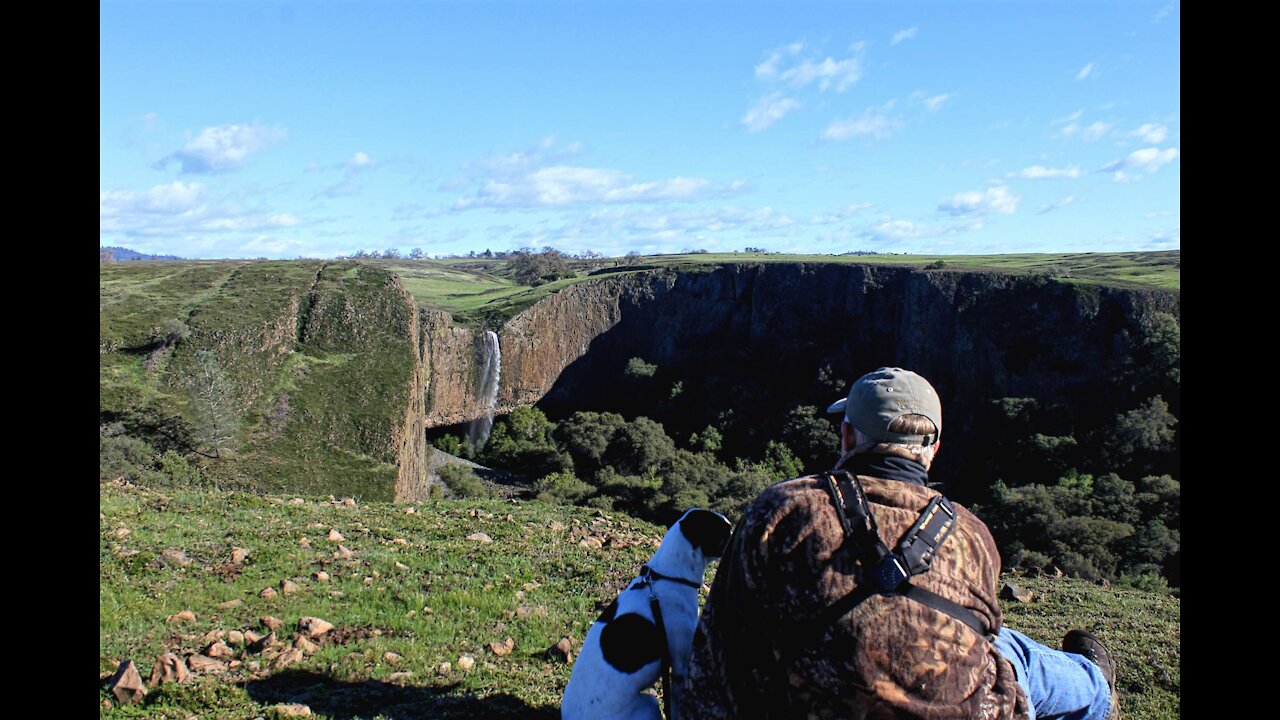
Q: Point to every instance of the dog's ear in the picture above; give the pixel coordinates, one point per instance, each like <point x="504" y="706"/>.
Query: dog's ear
<point x="630" y="642"/>
<point x="706" y="530"/>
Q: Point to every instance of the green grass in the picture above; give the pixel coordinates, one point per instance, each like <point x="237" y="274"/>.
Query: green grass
<point x="534" y="584"/>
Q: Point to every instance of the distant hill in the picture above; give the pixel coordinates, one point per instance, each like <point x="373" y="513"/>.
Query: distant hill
<point x="119" y="254"/>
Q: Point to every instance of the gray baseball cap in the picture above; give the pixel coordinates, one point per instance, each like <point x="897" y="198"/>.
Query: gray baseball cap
<point x="881" y="396"/>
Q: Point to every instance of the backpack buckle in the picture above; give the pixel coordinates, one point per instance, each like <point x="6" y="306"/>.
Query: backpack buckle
<point x="889" y="573"/>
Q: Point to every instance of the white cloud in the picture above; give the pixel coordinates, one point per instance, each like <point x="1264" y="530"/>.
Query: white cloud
<point x="1163" y="13"/>
<point x="1140" y="162"/>
<point x="1088" y="133"/>
<point x="903" y="35"/>
<point x="767" y="111"/>
<point x="172" y="199"/>
<point x="180" y="209"/>
<point x="1040" y="172"/>
<point x="829" y="73"/>
<point x="1151" y="133"/>
<point x="981" y="202"/>
<point x="224" y="147"/>
<point x="1055" y="205"/>
<point x="1085" y="72"/>
<point x="1072" y="118"/>
<point x="359" y="159"/>
<point x="934" y="103"/>
<point x="353" y="181"/>
<point x="874" y="122"/>
<point x="564" y="186"/>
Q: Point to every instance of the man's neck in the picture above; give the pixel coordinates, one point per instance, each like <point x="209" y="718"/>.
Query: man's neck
<point x="889" y="467"/>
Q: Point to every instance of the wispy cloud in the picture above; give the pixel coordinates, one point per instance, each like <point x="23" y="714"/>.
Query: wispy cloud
<point x="767" y="111"/>
<point x="353" y="170"/>
<point x="566" y="186"/>
<point x="1040" y="172"/>
<point x="901" y="35"/>
<point x="1151" y="133"/>
<point x="874" y="122"/>
<point x="993" y="200"/>
<point x="224" y="147"/>
<point x="1163" y="13"/>
<point x="932" y="103"/>
<point x="1085" y="72"/>
<point x="1088" y="133"/>
<point x="1139" y="163"/>
<point x="1056" y="205"/>
<point x="179" y="209"/>
<point x="781" y="66"/>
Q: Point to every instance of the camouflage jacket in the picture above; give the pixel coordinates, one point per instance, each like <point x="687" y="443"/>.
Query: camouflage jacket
<point x="889" y="657"/>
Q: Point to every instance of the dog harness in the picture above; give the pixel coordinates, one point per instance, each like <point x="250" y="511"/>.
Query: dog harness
<point x="651" y="576"/>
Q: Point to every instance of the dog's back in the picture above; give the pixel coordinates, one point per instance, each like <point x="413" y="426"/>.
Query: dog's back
<point x="622" y="654"/>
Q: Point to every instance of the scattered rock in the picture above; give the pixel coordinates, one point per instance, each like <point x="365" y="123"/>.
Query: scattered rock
<point x="122" y="532"/>
<point x="268" y="593"/>
<point x="304" y="543"/>
<point x="168" y="668"/>
<point x="314" y="627"/>
<point x="503" y="648"/>
<point x="391" y="658"/>
<point x="530" y="586"/>
<point x="297" y="501"/>
<point x="563" y="649"/>
<point x="523" y="611"/>
<point x="445" y="668"/>
<point x="1013" y="592"/>
<point x="368" y="581"/>
<point x="291" y="710"/>
<point x="519" y="594"/>
<point x="322" y="576"/>
<point x="335" y="536"/>
<point x="289" y="587"/>
<point x="591" y="542"/>
<point x="252" y="638"/>
<point x="214" y="636"/>
<point x="410" y="511"/>
<point x="235" y="637"/>
<point x="401" y="565"/>
<point x="349" y="502"/>
<point x="480" y="537"/>
<point x="184" y="616"/>
<point x="272" y="623"/>
<point x="239" y="555"/>
<point x="427" y="611"/>
<point x="400" y="541"/>
<point x="126" y="685"/>
<point x="398" y="676"/>
<point x="466" y="662"/>
<point x="237" y="602"/>
<point x="176" y="556"/>
<point x="335" y="593"/>
<point x="219" y="649"/>
<point x="557" y="526"/>
<point x="305" y="645"/>
<point x="202" y="663"/>
<point x="343" y="552"/>
<point x="287" y="658"/>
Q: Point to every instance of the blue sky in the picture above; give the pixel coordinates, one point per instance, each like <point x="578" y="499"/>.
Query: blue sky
<point x="287" y="129"/>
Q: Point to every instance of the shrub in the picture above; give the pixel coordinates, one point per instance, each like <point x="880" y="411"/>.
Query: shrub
<point x="462" y="482"/>
<point x="564" y="488"/>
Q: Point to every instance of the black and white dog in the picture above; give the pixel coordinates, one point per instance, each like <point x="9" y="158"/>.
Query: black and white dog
<point x="624" y="650"/>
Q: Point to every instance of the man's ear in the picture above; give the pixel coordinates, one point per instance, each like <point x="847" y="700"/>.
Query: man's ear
<point x="848" y="436"/>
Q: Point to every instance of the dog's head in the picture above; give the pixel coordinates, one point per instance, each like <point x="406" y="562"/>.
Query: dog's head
<point x="707" y="531"/>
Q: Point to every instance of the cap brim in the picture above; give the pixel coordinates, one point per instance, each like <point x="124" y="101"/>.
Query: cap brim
<point x="838" y="406"/>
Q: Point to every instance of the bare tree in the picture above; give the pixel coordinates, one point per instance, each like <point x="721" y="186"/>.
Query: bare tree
<point x="213" y="403"/>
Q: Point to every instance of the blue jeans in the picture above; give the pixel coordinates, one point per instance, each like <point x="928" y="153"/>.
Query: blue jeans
<point x="1057" y="684"/>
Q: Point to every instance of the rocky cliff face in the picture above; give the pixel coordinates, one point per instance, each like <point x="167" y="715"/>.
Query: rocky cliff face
<point x="745" y="330"/>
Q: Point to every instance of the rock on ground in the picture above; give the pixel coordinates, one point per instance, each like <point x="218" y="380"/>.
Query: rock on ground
<point x="314" y="627"/>
<point x="126" y="685"/>
<point x="168" y="668"/>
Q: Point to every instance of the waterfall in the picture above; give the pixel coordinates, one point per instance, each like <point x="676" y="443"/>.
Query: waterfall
<point x="487" y="392"/>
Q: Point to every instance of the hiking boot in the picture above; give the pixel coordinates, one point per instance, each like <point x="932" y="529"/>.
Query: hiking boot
<point x="1084" y="643"/>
